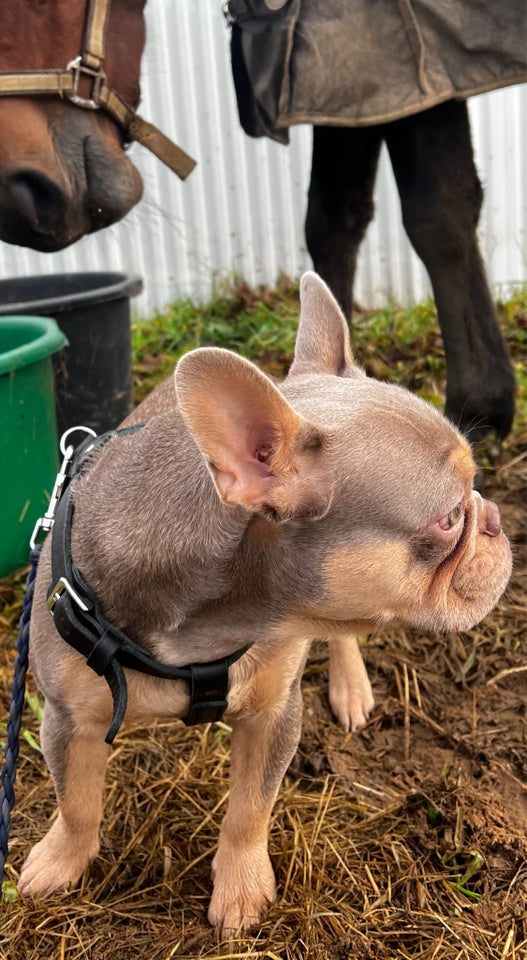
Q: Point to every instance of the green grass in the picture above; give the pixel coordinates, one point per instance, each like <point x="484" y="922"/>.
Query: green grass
<point x="400" y="345"/>
<point x="260" y="324"/>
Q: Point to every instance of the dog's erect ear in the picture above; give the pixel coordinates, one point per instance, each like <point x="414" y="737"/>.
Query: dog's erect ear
<point x="252" y="440"/>
<point x="322" y="343"/>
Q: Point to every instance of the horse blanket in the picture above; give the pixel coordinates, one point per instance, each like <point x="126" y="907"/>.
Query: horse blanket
<point x="360" y="62"/>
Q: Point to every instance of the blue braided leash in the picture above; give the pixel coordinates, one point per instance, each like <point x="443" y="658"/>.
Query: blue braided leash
<point x="8" y="777"/>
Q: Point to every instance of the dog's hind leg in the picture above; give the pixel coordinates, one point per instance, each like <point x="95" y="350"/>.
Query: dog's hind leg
<point x="77" y="762"/>
<point x="350" y="693"/>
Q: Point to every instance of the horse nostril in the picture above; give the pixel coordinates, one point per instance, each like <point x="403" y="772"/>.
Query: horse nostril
<point x="35" y="209"/>
<point x="35" y="201"/>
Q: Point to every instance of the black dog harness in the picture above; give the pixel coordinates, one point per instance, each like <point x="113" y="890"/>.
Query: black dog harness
<point x="80" y="623"/>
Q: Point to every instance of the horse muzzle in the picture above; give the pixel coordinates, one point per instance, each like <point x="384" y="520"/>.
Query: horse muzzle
<point x="68" y="176"/>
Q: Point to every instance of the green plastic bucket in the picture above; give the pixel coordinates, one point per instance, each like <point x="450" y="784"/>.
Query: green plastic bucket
<point x="28" y="430"/>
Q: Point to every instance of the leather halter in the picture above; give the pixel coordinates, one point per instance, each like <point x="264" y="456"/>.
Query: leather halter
<point x="88" y="66"/>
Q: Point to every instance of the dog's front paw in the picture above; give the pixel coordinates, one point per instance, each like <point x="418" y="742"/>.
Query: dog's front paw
<point x="244" y="888"/>
<point x="57" y="862"/>
<point x="350" y="693"/>
<point x="351" y="702"/>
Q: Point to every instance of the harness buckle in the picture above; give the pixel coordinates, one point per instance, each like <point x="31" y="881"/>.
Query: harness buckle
<point x="79" y="69"/>
<point x="62" y="585"/>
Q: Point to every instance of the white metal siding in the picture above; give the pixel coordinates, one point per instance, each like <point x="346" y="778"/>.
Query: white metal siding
<point x="243" y="207"/>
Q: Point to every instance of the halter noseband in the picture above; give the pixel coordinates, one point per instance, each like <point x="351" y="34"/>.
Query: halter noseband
<point x="89" y="65"/>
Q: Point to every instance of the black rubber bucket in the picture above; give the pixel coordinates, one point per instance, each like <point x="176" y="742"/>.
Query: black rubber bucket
<point x="93" y="375"/>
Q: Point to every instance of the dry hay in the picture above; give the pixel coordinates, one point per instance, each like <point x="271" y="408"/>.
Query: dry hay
<point x="407" y="840"/>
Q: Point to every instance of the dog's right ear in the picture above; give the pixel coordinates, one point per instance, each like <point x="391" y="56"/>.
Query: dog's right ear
<point x="323" y="342"/>
<point x="258" y="449"/>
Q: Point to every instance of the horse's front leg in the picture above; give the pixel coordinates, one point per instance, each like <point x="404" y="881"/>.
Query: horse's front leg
<point x="441" y="197"/>
<point x="340" y="203"/>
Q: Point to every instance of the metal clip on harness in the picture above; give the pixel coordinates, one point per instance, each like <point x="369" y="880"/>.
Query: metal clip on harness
<point x="44" y="524"/>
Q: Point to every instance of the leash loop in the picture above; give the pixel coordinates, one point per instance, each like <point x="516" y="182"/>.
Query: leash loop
<point x="63" y="448"/>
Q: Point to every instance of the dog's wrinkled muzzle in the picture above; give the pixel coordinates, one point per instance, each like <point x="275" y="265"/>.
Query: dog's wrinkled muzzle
<point x="482" y="562"/>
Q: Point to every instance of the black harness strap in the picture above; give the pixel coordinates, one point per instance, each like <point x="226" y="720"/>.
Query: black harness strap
<point x="107" y="649"/>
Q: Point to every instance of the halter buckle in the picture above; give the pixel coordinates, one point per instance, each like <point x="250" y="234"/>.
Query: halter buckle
<point x="79" y="69"/>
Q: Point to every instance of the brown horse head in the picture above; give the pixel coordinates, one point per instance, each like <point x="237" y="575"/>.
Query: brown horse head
<point x="63" y="170"/>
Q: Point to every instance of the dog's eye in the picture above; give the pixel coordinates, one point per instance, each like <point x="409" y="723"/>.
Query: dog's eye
<point x="452" y="518"/>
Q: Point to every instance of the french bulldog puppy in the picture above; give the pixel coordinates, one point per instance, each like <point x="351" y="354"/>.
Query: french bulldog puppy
<point x="241" y="513"/>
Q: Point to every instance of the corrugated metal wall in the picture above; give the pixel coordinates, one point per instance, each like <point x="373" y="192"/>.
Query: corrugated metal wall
<point x="243" y="207"/>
